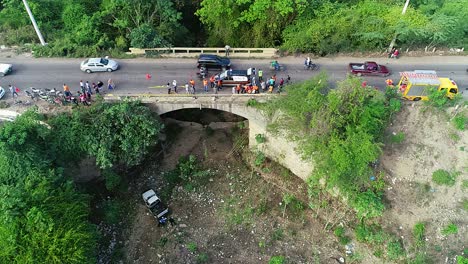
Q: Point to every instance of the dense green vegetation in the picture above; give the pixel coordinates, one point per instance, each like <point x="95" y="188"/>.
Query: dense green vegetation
<point x="341" y="131"/>
<point x="86" y="27"/>
<point x="44" y="218"/>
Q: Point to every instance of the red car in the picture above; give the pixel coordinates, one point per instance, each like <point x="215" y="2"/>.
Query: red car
<point x="368" y="68"/>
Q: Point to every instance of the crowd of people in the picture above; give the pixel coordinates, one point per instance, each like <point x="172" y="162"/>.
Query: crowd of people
<point x="255" y="85"/>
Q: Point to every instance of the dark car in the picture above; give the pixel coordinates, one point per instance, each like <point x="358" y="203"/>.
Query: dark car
<point x="368" y="68"/>
<point x="213" y="62"/>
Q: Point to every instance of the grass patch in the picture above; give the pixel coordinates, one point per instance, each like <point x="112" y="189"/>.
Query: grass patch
<point x="277" y="260"/>
<point x="398" y="138"/>
<point x="260" y="138"/>
<point x="419" y="234"/>
<point x="340" y="233"/>
<point x="192" y="247"/>
<point x="465" y="184"/>
<point x="465" y="204"/>
<point x="459" y="121"/>
<point x="278" y="234"/>
<point x="443" y="177"/>
<point x="202" y="258"/>
<point x="259" y="158"/>
<point x="454" y="136"/>
<point x="450" y="229"/>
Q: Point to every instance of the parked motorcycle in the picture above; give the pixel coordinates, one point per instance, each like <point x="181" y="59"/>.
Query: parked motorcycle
<point x="203" y="72"/>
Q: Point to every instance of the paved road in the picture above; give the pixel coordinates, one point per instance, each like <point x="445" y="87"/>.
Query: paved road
<point x="130" y="78"/>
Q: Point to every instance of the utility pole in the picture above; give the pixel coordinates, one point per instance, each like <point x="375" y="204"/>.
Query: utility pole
<point x="43" y="43"/>
<point x="394" y="37"/>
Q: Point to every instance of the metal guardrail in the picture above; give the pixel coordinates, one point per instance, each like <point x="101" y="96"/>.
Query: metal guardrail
<point x="195" y="52"/>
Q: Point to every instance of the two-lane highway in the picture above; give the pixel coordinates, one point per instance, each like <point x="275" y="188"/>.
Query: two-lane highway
<point x="131" y="76"/>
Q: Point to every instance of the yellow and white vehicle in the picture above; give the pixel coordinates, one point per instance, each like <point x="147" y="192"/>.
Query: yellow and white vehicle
<point x="415" y="85"/>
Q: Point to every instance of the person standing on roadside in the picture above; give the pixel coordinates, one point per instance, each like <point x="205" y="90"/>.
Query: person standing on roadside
<point x="187" y="88"/>
<point x="110" y="84"/>
<point x="96" y="88"/>
<point x="82" y="87"/>
<point x="66" y="90"/>
<point x="260" y="75"/>
<point x="88" y="88"/>
<point x="14" y="90"/>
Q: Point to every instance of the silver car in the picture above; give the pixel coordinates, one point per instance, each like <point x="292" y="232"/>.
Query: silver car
<point x="98" y="64"/>
<point x="5" y="69"/>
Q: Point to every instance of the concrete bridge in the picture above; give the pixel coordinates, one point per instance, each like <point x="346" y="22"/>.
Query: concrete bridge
<point x="276" y="147"/>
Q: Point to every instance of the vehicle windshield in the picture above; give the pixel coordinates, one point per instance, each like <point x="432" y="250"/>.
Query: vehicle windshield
<point x="223" y="76"/>
<point x="104" y="61"/>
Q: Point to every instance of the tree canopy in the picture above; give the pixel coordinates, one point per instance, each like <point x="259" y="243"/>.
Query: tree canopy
<point x="44" y="218"/>
<point x="86" y="27"/>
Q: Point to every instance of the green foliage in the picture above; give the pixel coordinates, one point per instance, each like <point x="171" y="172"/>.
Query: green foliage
<point x="252" y="102"/>
<point x="419" y="234"/>
<point x="202" y="258"/>
<point x="112" y="179"/>
<point x="260" y="138"/>
<point x="368" y="204"/>
<point x="277" y="260"/>
<point x="259" y="158"/>
<point x="123" y="133"/>
<point x="395" y="250"/>
<point x="340" y="233"/>
<point x="460" y="121"/>
<point x="43" y="219"/>
<point x="398" y="137"/>
<point x="462" y="260"/>
<point x="192" y="247"/>
<point x="465" y="204"/>
<point x="146" y="36"/>
<point x="443" y="177"/>
<point x="450" y="229"/>
<point x="113" y="211"/>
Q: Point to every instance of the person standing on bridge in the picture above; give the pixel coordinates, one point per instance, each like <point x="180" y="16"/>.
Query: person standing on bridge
<point x="228" y="49"/>
<point x="205" y="85"/>
<point x="168" y="88"/>
<point x="174" y="85"/>
<point x="192" y="86"/>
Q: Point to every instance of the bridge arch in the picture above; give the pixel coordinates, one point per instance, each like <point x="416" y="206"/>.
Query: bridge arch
<point x="278" y="147"/>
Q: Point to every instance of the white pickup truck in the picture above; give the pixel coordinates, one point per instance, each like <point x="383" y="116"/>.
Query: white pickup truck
<point x="5" y="69"/>
<point x="154" y="204"/>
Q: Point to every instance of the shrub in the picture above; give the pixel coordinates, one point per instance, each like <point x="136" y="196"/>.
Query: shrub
<point x="192" y="247"/>
<point x="202" y="258"/>
<point x="259" y="158"/>
<point x="112" y="179"/>
<point x="418" y="233"/>
<point x="394" y="250"/>
<point x="460" y="121"/>
<point x="368" y="204"/>
<point x="398" y="137"/>
<point x="277" y="260"/>
<point x="450" y="229"/>
<point x="260" y="138"/>
<point x="443" y="177"/>
<point x="112" y="211"/>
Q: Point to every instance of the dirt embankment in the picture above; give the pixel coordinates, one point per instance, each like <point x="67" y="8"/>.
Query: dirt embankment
<point x="431" y="143"/>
